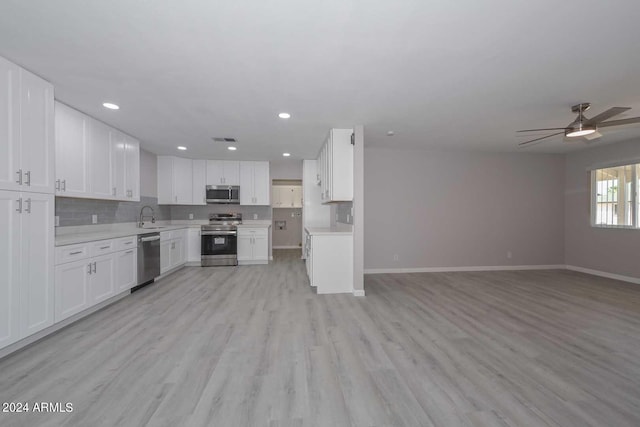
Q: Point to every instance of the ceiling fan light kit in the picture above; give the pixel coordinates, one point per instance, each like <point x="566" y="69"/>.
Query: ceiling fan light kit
<point x="584" y="127"/>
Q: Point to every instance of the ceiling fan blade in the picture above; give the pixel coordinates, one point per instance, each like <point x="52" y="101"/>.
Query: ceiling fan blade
<point x="606" y="115"/>
<point x="534" y="130"/>
<point x="593" y="136"/>
<point x="540" y="139"/>
<point x="621" y="122"/>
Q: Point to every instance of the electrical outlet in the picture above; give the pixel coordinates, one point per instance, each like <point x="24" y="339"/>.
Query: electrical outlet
<point x="509" y="254"/>
<point x="57" y="221"/>
<point x="190" y="216"/>
<point x="348" y="218"/>
<point x="94" y="219"/>
<point x="255" y="216"/>
<point x="395" y="257"/>
<point x="293" y="214"/>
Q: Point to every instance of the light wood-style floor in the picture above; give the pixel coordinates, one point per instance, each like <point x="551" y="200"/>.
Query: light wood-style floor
<point x="255" y="346"/>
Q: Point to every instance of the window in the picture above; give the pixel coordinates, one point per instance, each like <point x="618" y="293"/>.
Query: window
<point x="614" y="201"/>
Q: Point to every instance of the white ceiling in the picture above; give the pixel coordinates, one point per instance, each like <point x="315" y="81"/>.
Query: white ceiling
<point x="460" y="74"/>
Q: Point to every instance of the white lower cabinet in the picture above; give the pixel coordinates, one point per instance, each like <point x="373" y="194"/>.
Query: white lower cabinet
<point x="253" y="245"/>
<point x="194" y="245"/>
<point x="72" y="289"/>
<point x="173" y="252"/>
<point x="126" y="269"/>
<point x="26" y="264"/>
<point x="87" y="274"/>
<point x="329" y="261"/>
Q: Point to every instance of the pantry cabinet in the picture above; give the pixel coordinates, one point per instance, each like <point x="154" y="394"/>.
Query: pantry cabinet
<point x="26" y="264"/>
<point x="255" y="183"/>
<point x="26" y="131"/>
<point x="335" y="167"/>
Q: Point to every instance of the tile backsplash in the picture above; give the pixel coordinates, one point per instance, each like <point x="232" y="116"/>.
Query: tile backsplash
<point x="76" y="211"/>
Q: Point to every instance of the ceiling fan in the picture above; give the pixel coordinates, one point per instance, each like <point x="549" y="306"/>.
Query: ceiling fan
<point x="585" y="127"/>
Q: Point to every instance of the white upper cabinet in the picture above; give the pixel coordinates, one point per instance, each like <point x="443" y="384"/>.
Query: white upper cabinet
<point x="26" y="131"/>
<point x="335" y="166"/>
<point x="72" y="153"/>
<point x="223" y="172"/>
<point x="132" y="169"/>
<point x="175" y="181"/>
<point x="125" y="152"/>
<point x="199" y="194"/>
<point x="100" y="160"/>
<point x="255" y="184"/>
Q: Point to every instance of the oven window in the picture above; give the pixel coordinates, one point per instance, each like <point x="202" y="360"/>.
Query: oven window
<point x="219" y="245"/>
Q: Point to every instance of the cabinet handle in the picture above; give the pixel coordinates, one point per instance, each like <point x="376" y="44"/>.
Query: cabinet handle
<point x="57" y="184"/>
<point x="95" y="269"/>
<point x="64" y="185"/>
<point x="89" y="268"/>
<point x="114" y="191"/>
<point x="128" y="243"/>
<point x="28" y="173"/>
<point x="19" y="210"/>
<point x="28" y="208"/>
<point x="19" y="173"/>
<point x="129" y="252"/>
<point x="75" y="253"/>
<point x="105" y="247"/>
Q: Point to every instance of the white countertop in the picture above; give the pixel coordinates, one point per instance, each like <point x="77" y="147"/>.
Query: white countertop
<point x="334" y="231"/>
<point x="88" y="235"/>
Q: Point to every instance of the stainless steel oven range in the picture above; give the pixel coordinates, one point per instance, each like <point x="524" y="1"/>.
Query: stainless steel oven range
<point x="220" y="240"/>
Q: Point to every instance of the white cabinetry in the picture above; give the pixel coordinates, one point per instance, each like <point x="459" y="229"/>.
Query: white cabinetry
<point x="72" y="153"/>
<point x="94" y="160"/>
<point x="172" y="249"/>
<point x="26" y="131"/>
<point x="255" y="184"/>
<point x="26" y="263"/>
<point x="223" y="172"/>
<point x="329" y="262"/>
<point x="175" y="181"/>
<point x="199" y="194"/>
<point x="87" y="274"/>
<point x="253" y="245"/>
<point x="194" y="246"/>
<point x="335" y="167"/>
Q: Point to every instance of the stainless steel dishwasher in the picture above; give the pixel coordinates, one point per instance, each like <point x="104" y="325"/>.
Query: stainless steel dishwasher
<point x="148" y="257"/>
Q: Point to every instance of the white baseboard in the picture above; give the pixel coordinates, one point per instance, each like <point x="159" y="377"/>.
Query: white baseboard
<point x="358" y="292"/>
<point x="469" y="268"/>
<point x="287" y="247"/>
<point x="614" y="276"/>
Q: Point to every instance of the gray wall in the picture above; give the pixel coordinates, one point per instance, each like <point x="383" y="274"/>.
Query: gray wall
<point x="610" y="250"/>
<point x="285" y="169"/>
<point x="458" y="209"/>
<point x="292" y="235"/>
<point x="73" y="212"/>
<point x="148" y="174"/>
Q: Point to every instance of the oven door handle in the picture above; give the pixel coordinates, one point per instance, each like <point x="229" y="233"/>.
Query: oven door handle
<point x="219" y="233"/>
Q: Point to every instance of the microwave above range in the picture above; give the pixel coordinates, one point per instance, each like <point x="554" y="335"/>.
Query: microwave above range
<point x="223" y="194"/>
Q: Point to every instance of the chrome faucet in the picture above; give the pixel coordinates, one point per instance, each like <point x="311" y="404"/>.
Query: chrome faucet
<point x="142" y="217"/>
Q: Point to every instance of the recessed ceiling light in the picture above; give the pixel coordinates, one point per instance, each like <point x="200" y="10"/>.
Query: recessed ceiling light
<point x="231" y="148"/>
<point x="110" y="106"/>
<point x="180" y="147"/>
<point x="286" y="154"/>
<point x="391" y="133"/>
<point x="284" y="115"/>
